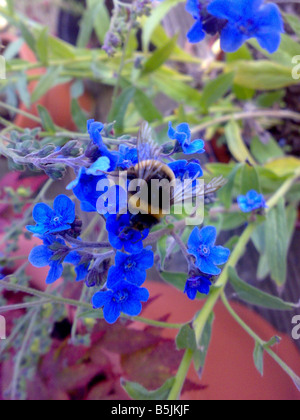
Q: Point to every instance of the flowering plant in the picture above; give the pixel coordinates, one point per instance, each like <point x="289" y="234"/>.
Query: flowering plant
<point x="141" y="195"/>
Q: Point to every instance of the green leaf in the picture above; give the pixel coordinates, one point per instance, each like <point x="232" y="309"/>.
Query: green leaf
<point x="252" y="295"/>
<point x="261" y="74"/>
<point x="77" y="89"/>
<point x="145" y="107"/>
<point x="226" y="193"/>
<point x="276" y="243"/>
<point x="236" y="143"/>
<point x="259" y="350"/>
<point x="78" y="115"/>
<point x="186" y="338"/>
<point x="216" y="89"/>
<point x="258" y="357"/>
<point x="264" y="152"/>
<point x="177" y="280"/>
<point x="200" y="355"/>
<point x="233" y="220"/>
<point x="27" y="35"/>
<point x="155" y="19"/>
<point x="138" y="392"/>
<point x="42" y="46"/>
<point x="119" y="109"/>
<point x="293" y="21"/>
<point x="263" y="269"/>
<point x="60" y="49"/>
<point x="162" y="250"/>
<point x="269" y="99"/>
<point x="250" y="179"/>
<point x="101" y="21"/>
<point x="176" y="89"/>
<point x="47" y="121"/>
<point x="86" y="26"/>
<point x="160" y="56"/>
<point x="22" y="87"/>
<point x="46" y="82"/>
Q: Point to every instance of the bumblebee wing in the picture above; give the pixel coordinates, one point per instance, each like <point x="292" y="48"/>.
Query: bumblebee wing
<point x="148" y="152"/>
<point x="215" y="184"/>
<point x="198" y="189"/>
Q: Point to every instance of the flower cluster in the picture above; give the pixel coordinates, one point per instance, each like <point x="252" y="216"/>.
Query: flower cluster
<point x="120" y="283"/>
<point x="236" y="21"/>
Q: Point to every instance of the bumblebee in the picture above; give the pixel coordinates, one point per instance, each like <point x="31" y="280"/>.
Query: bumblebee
<point x="153" y="203"/>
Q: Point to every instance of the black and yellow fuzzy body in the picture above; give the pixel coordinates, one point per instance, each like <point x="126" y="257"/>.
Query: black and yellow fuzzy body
<point x="156" y="200"/>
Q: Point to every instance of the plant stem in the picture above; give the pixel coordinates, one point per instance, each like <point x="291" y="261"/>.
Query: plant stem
<point x="122" y="64"/>
<point x="202" y="318"/>
<point x="14" y="384"/>
<point x="257" y="339"/>
<point x="268" y="113"/>
<point x="23" y="305"/>
<point x="76" y="303"/>
<point x="181" y="375"/>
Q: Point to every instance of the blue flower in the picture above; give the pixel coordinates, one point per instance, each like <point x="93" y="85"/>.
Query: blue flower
<point x="196" y="33"/>
<point x="85" y="189"/>
<point x="121" y="234"/>
<point x="128" y="157"/>
<point x="183" y="169"/>
<point x="51" y="221"/>
<point x="81" y="264"/>
<point x="94" y="129"/>
<point x="196" y="284"/>
<point x="102" y="164"/>
<point x="251" y="201"/>
<point x="52" y="253"/>
<point x="130" y="267"/>
<point x="201" y="245"/>
<point x="248" y="19"/>
<point x="41" y="256"/>
<point x="124" y="298"/>
<point x="183" y="135"/>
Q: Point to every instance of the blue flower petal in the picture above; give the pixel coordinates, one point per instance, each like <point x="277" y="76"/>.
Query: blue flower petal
<point x="230" y="9"/>
<point x="137" y="276"/>
<point x="196" y="33"/>
<point x="101" y="165"/>
<point x="270" y="41"/>
<point x="219" y="255"/>
<point x="42" y="213"/>
<point x="190" y="291"/>
<point x="40" y="256"/>
<point x="64" y="207"/>
<point x="206" y="266"/>
<point x="132" y="306"/>
<point x="193" y="7"/>
<point x="111" y="312"/>
<point x="197" y="146"/>
<point x="55" y="272"/>
<point x="145" y="259"/>
<point x="115" y="274"/>
<point x="194" y="240"/>
<point x="102" y="298"/>
<point x="232" y="38"/>
<point x="208" y="236"/>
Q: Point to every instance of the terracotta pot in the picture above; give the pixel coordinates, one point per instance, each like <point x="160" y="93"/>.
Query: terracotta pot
<point x="57" y="100"/>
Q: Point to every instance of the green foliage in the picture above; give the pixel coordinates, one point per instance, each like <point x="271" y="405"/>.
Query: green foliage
<point x="241" y="101"/>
